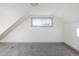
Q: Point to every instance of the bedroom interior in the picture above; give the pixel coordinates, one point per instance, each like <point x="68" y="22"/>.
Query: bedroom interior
<point x="39" y="29"/>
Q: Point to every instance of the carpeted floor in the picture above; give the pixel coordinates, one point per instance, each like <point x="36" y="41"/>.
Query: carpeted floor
<point x="36" y="49"/>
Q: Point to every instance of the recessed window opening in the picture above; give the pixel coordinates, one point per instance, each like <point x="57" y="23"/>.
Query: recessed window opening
<point x="42" y="21"/>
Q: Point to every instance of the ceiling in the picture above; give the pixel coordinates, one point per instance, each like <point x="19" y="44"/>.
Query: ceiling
<point x="66" y="11"/>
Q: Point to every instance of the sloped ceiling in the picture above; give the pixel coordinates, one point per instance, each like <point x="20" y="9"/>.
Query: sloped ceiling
<point x="69" y="12"/>
<point x="10" y="13"/>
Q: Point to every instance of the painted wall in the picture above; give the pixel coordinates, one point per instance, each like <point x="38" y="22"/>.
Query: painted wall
<point x="8" y="17"/>
<point x="70" y="34"/>
<point x="25" y="33"/>
<point x="9" y="14"/>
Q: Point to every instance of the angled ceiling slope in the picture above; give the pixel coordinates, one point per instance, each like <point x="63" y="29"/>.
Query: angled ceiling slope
<point x="11" y="13"/>
<point x="13" y="26"/>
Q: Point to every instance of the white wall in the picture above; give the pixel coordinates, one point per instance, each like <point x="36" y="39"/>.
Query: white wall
<point x="9" y="14"/>
<point x="70" y="34"/>
<point x="25" y="33"/>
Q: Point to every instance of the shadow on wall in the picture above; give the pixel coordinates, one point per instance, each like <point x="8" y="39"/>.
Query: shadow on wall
<point x="18" y="22"/>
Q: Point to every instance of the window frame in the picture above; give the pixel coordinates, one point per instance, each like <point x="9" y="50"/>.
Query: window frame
<point x="42" y="18"/>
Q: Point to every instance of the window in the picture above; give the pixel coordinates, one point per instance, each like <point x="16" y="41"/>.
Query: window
<point x="42" y="21"/>
<point x="77" y="32"/>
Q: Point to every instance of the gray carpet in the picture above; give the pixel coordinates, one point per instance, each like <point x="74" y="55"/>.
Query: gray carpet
<point x="36" y="49"/>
